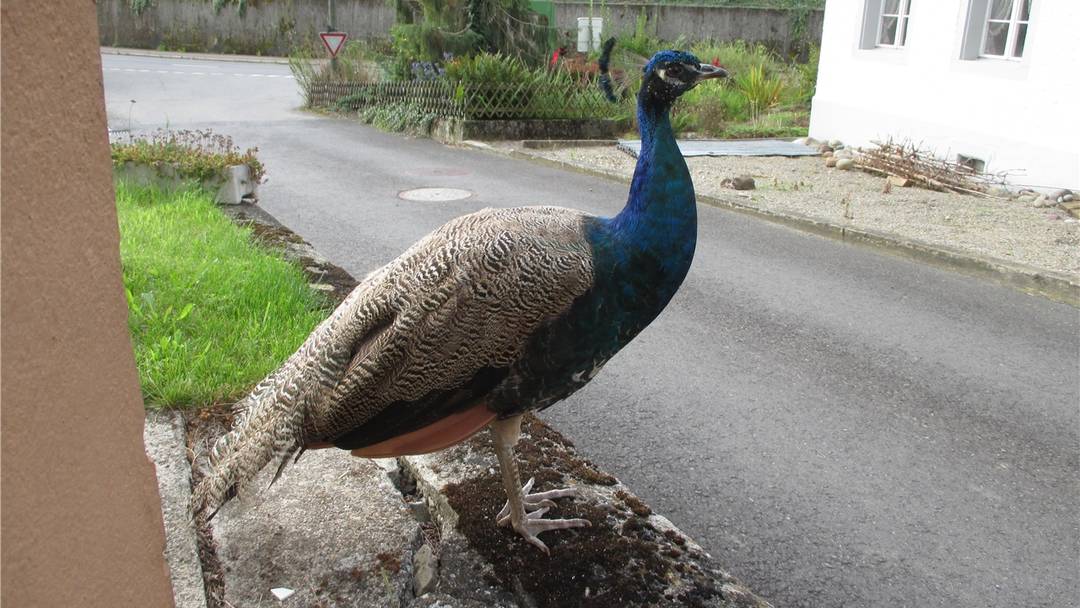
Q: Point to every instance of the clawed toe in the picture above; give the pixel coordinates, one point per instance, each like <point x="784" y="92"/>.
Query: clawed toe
<point x="533" y="525"/>
<point x="534" y="502"/>
<point x="523" y="511"/>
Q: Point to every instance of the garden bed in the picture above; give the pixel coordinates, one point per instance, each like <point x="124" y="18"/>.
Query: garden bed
<point x="174" y="160"/>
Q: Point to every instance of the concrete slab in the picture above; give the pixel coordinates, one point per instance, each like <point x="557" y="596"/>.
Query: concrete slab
<point x="334" y="529"/>
<point x="630" y="557"/>
<point x="163" y="436"/>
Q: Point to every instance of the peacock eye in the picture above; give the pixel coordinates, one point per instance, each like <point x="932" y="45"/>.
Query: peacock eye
<point x="675" y="70"/>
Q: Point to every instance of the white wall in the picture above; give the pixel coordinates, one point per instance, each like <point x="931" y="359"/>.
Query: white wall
<point x="1017" y="115"/>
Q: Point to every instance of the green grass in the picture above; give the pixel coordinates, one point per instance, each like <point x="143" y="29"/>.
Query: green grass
<point x="210" y="312"/>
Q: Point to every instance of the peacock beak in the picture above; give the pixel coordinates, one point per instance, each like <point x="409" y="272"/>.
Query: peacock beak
<point x="706" y="71"/>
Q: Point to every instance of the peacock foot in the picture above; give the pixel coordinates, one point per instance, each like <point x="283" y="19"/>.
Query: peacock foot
<point x="535" y="506"/>
<point x="533" y="502"/>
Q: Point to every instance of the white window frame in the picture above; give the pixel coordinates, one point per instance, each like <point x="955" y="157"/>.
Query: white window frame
<point x="902" y="16"/>
<point x="1014" y="22"/>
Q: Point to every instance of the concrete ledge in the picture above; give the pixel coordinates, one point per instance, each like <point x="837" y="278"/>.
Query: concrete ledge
<point x="1056" y="286"/>
<point x="232" y="188"/>
<point x="629" y="557"/>
<point x="163" y="437"/>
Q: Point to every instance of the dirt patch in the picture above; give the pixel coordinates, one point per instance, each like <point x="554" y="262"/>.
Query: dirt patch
<point x="622" y="560"/>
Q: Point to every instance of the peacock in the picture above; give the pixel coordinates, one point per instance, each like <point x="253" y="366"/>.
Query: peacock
<point x="492" y="315"/>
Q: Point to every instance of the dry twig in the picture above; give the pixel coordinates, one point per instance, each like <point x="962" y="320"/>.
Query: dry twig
<point x="907" y="160"/>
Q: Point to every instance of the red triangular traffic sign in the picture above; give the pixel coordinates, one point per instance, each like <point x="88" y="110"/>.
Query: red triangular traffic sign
<point x="333" y="41"/>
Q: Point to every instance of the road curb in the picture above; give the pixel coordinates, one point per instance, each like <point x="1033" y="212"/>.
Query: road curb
<point x="113" y="50"/>
<point x="163" y="437"/>
<point x="691" y="575"/>
<point x="1056" y="286"/>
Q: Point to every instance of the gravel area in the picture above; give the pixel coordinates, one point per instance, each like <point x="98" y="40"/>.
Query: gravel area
<point x="1047" y="239"/>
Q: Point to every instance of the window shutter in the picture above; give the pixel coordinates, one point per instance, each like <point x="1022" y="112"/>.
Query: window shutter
<point x="871" y="16"/>
<point x="973" y="29"/>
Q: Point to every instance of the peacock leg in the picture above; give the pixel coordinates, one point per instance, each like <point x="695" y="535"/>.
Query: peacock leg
<point x="524" y="512"/>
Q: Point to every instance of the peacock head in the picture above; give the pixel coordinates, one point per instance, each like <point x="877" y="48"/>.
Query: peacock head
<point x="672" y="73"/>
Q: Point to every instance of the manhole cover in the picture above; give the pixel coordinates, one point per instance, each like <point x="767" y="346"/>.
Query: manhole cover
<point x="434" y="195"/>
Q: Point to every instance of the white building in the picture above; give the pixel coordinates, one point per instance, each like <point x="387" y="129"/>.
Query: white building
<point x="994" y="81"/>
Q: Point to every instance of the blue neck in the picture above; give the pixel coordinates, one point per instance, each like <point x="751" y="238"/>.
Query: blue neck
<point x="660" y="214"/>
<point x="661" y="190"/>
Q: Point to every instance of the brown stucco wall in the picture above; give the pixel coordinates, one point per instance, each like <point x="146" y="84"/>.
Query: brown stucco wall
<point x="81" y="520"/>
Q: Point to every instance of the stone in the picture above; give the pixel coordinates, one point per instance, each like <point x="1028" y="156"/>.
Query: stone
<point x="835" y="143"/>
<point x="739" y="182"/>
<point x="321" y="286"/>
<point x="810" y="141"/>
<point x="830" y="161"/>
<point x="823" y="148"/>
<point x="425" y="571"/>
<point x="844" y="153"/>
<point x="1073" y="208"/>
<point x="1068" y="198"/>
<point x="236" y="185"/>
<point x="845" y="164"/>
<point x="1059" y="195"/>
<point x="420" y="511"/>
<point x="282" y="593"/>
<point x="801" y="141"/>
<point x="308" y="523"/>
<point x="899" y="182"/>
<point x="828" y="154"/>
<point x="1043" y="201"/>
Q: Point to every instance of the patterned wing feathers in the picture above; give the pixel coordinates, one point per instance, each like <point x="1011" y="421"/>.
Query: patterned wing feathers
<point x="463" y="299"/>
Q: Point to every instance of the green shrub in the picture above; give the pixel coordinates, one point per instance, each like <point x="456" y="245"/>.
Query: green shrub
<point x="762" y="93"/>
<point x="427" y="42"/>
<point x="402" y="117"/>
<point x="640" y="42"/>
<point x="808" y="73"/>
<point x="738" y="57"/>
<point x="490" y="68"/>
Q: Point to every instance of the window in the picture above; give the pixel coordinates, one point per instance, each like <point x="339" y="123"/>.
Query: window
<point x="892" y="26"/>
<point x="885" y="24"/>
<point x="1006" y="28"/>
<point x="997" y="29"/>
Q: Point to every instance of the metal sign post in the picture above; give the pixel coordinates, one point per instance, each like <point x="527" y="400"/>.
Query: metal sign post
<point x="331" y="9"/>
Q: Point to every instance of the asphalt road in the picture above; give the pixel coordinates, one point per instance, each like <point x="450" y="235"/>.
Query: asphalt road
<point x="837" y="426"/>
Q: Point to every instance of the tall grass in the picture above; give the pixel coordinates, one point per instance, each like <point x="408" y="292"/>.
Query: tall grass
<point x="210" y="312"/>
<point x="761" y="92"/>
